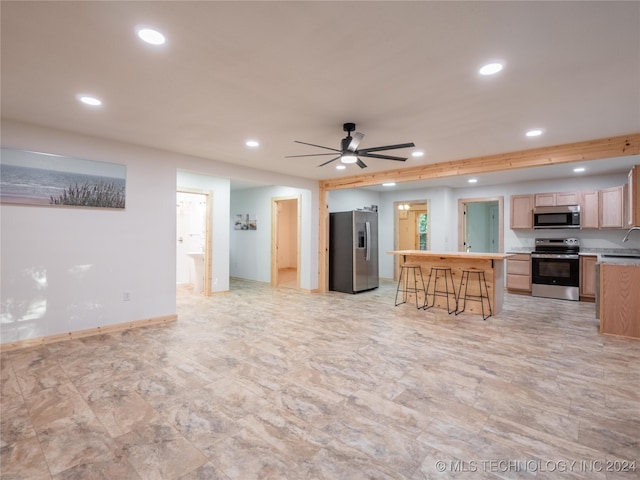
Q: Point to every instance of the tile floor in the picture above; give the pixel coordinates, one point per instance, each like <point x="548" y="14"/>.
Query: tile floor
<point x="266" y="383"/>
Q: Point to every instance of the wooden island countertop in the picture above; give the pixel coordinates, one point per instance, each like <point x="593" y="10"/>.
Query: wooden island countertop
<point x="491" y="263"/>
<point x="470" y="255"/>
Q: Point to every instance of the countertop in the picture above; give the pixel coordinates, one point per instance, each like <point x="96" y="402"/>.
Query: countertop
<point x="597" y="252"/>
<point x="470" y="255"/>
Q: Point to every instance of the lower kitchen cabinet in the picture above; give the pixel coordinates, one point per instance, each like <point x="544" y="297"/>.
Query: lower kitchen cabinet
<point x="519" y="273"/>
<point x="619" y="300"/>
<point x="588" y="277"/>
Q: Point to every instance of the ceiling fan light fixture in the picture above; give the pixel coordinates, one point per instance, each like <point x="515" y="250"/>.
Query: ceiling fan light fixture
<point x="348" y="158"/>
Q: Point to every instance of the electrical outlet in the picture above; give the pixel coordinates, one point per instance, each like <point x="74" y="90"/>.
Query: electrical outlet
<point x="126" y="296"/>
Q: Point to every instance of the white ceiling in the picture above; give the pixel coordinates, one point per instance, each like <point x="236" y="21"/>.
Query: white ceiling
<point x="284" y="71"/>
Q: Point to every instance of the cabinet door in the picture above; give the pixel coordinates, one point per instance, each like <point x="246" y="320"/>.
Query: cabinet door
<point x="545" y="199"/>
<point x="612" y="207"/>
<point x="569" y="198"/>
<point x="589" y="210"/>
<point x="521" y="215"/>
<point x="588" y="276"/>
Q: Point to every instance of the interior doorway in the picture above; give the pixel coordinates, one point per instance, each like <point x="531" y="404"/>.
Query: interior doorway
<point x="193" y="240"/>
<point x="285" y="242"/>
<point x="412" y="228"/>
<point x="481" y="225"/>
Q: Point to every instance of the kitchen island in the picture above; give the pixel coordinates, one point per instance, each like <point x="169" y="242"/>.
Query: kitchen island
<point x="491" y="263"/>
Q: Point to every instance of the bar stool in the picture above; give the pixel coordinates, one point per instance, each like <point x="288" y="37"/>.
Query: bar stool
<point x="404" y="270"/>
<point x="441" y="293"/>
<point x="474" y="298"/>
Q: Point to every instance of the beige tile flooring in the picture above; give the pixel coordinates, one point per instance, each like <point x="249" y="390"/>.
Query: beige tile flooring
<point x="265" y="383"/>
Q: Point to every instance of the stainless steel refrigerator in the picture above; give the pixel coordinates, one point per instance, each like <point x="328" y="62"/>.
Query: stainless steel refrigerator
<point x="353" y="251"/>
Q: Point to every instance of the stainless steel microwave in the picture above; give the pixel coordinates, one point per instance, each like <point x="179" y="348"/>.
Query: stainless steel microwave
<point x="566" y="216"/>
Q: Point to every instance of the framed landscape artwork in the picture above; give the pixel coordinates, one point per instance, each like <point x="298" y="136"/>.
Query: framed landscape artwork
<point x="34" y="178"/>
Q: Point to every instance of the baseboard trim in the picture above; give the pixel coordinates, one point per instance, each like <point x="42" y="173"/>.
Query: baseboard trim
<point x="61" y="337"/>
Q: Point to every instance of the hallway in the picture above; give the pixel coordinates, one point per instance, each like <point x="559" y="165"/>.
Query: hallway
<point x="264" y="383"/>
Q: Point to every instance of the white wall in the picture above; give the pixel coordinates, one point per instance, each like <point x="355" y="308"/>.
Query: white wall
<point x="250" y="252"/>
<point x="66" y="269"/>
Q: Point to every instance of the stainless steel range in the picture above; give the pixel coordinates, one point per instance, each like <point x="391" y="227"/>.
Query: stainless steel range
<point x="555" y="268"/>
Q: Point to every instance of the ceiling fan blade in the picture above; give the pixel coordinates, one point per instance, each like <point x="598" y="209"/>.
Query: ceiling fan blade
<point x="319" y="146"/>
<point x="310" y="155"/>
<point x="355" y="141"/>
<point x="382" y="157"/>
<point x="386" y="147"/>
<point x="332" y="160"/>
<point x="361" y="164"/>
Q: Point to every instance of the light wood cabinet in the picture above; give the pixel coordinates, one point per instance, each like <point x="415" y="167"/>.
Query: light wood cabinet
<point x="590" y="210"/>
<point x="545" y="199"/>
<point x="519" y="272"/>
<point x="633" y="199"/>
<point x="612" y="207"/>
<point x="569" y="198"/>
<point x="556" y="199"/>
<point x="588" y="276"/>
<point x="521" y="215"/>
<point x="619" y="300"/>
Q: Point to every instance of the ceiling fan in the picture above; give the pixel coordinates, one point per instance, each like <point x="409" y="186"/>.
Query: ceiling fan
<point x="349" y="152"/>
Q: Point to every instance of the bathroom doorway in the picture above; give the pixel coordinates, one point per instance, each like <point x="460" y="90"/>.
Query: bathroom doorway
<point x="285" y="242"/>
<point x="193" y="240"/>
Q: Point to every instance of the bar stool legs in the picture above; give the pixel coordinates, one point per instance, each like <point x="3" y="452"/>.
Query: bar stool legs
<point x="441" y="293"/>
<point x="404" y="272"/>
<point x="474" y="298"/>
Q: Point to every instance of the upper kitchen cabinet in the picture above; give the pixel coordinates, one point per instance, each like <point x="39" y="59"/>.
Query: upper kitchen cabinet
<point x="556" y="199"/>
<point x="612" y="208"/>
<point x="633" y="198"/>
<point x="590" y="211"/>
<point x="521" y="215"/>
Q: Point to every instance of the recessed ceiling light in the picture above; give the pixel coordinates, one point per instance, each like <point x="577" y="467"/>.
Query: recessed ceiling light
<point x="473" y="180"/>
<point x="150" y="36"/>
<point x="491" y="68"/>
<point x="340" y="167"/>
<point x="534" y="132"/>
<point x="417" y="153"/>
<point x="252" y="143"/>
<point x="389" y="184"/>
<point x="579" y="169"/>
<point x="89" y="100"/>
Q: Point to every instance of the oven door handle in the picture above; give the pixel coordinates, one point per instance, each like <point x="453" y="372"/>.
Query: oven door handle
<point x="555" y="256"/>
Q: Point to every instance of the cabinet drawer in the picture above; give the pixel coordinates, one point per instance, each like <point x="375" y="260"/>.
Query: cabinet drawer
<point x="518" y="267"/>
<point x="519" y="282"/>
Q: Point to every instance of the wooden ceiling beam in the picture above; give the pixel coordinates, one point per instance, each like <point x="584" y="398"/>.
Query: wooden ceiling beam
<point x="621" y="146"/>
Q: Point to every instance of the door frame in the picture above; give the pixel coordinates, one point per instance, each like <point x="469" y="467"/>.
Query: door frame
<point x="274" y="236"/>
<point x="208" y="194"/>
<point x="462" y="220"/>
<point x="396" y="229"/>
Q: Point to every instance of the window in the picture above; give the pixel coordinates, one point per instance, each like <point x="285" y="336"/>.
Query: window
<point x="422" y="231"/>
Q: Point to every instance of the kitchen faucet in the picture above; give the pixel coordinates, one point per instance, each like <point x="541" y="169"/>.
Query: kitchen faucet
<point x="626" y="237"/>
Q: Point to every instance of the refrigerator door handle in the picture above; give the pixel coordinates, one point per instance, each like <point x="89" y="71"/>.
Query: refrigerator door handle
<point x="367" y="227"/>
